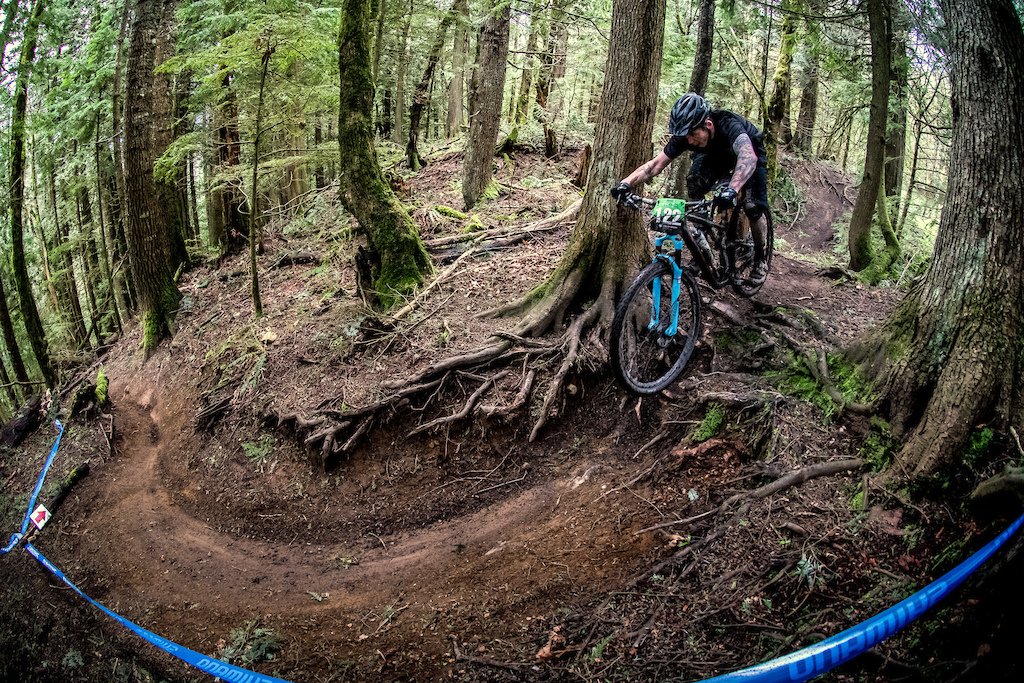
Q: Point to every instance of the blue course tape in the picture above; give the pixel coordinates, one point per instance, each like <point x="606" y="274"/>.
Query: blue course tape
<point x="794" y="667"/>
<point x="227" y="672"/>
<point x="215" y="667"/>
<point x="842" y="647"/>
<point x="35" y="492"/>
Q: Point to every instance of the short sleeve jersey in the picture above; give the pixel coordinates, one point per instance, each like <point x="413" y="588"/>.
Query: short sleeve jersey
<point x="728" y="127"/>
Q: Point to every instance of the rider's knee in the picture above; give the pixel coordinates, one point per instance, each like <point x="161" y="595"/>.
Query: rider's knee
<point x="753" y="209"/>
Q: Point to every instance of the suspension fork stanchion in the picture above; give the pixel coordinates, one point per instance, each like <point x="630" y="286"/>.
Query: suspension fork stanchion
<point x="677" y="276"/>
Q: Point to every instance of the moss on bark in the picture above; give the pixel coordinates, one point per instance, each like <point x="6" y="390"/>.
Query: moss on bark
<point x="391" y="232"/>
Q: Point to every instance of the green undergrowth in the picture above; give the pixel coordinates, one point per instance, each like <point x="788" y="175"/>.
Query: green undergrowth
<point x="710" y="425"/>
<point x="250" y="643"/>
<point x="797" y="380"/>
<point x="879" y="446"/>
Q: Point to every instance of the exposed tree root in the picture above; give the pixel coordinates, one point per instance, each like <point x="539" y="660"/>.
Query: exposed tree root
<point x="504" y="236"/>
<point x="792" y="478"/>
<point x="466" y="409"/>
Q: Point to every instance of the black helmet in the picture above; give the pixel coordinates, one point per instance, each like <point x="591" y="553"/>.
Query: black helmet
<point x="689" y="111"/>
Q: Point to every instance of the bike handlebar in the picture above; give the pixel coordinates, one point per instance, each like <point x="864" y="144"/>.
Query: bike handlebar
<point x="635" y="201"/>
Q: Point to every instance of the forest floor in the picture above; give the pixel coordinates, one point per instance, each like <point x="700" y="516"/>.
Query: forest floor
<point x="597" y="552"/>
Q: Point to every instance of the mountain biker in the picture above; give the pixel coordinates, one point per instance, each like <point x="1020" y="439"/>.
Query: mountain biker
<point x="724" y="144"/>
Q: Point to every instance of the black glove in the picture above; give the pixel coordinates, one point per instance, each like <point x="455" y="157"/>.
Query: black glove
<point x="727" y="198"/>
<point x="620" y="192"/>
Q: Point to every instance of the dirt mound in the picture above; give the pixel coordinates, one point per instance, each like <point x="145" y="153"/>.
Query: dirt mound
<point x="465" y="551"/>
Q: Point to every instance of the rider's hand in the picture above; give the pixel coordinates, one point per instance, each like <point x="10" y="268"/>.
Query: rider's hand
<point x="727" y="198"/>
<point x="620" y="192"/>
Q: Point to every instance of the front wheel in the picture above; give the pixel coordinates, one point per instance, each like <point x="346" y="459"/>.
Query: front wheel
<point x="644" y="357"/>
<point x="739" y="256"/>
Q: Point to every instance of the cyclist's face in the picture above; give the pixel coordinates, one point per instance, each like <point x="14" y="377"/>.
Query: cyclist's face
<point x="698" y="138"/>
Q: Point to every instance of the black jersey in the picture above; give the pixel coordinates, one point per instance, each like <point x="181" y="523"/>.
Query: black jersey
<point x="728" y="127"/>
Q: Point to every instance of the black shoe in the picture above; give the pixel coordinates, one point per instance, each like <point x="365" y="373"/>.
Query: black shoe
<point x="758" y="274"/>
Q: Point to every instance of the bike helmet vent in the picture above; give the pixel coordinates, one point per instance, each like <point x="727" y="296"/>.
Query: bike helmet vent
<point x="689" y="111"/>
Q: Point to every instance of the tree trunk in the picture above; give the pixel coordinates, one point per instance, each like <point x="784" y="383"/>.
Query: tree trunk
<point x="227" y="224"/>
<point x="254" y="196"/>
<point x="106" y="268"/>
<point x="552" y="67"/>
<point x="896" y="133"/>
<point x="477" y="172"/>
<point x="880" y="20"/>
<point x="149" y="249"/>
<point x="27" y="302"/>
<point x="401" y="75"/>
<point x="457" y="87"/>
<point x="82" y="241"/>
<point x="608" y="244"/>
<point x="954" y="346"/>
<point x="11" y="339"/>
<point x="529" y="60"/>
<point x="803" y="136"/>
<point x="777" y="105"/>
<point x="391" y="233"/>
<point x="164" y="115"/>
<point x="116" y="110"/>
<point x="419" y="100"/>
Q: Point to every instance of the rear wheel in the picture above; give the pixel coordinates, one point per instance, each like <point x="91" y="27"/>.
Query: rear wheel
<point x="644" y="357"/>
<point x="739" y="256"/>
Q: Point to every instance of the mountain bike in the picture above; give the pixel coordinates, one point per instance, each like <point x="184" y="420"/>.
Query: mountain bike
<point x="658" y="320"/>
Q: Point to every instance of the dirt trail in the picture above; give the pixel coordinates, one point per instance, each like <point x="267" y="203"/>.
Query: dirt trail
<point x="152" y="561"/>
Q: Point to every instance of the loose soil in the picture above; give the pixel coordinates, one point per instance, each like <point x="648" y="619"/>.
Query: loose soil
<point x="466" y="551"/>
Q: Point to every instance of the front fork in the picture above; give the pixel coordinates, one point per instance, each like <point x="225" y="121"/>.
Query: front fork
<point x="677" y="277"/>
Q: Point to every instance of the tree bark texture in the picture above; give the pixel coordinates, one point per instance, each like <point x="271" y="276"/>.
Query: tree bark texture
<point x="401" y="75"/>
<point x="803" y="135"/>
<point x="477" y="172"/>
<point x="955" y="345"/>
<point x="607" y="243"/>
<point x="880" y="20"/>
<point x="391" y="233"/>
<point x="149" y="250"/>
<point x="227" y="224"/>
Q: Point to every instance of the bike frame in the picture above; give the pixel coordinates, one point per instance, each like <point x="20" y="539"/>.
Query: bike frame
<point x="681" y="237"/>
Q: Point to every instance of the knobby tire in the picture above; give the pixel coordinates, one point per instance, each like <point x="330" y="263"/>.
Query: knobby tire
<point x="644" y="360"/>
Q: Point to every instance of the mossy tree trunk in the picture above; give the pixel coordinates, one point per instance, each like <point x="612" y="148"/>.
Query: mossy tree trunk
<point x="149" y="249"/>
<point x="26" y="300"/>
<point x="607" y="244"/>
<point x="953" y="350"/>
<point x="778" y="103"/>
<point x="391" y="232"/>
<point x="485" y="115"/>
<point x="401" y="75"/>
<point x="880" y="28"/>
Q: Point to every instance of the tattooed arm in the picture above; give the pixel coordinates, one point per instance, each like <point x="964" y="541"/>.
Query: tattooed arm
<point x="650" y="169"/>
<point x="746" y="162"/>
